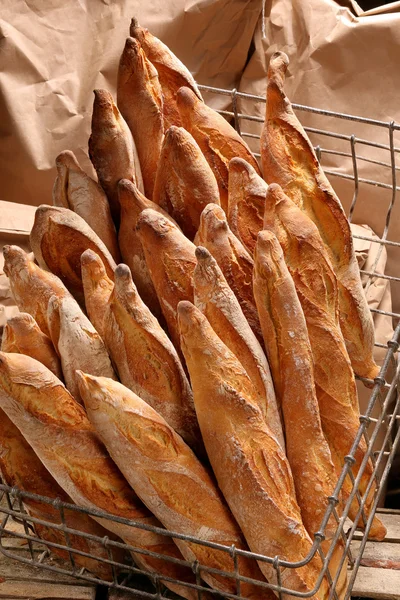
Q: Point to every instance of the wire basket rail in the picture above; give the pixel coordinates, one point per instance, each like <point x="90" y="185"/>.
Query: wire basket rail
<point x="379" y="421"/>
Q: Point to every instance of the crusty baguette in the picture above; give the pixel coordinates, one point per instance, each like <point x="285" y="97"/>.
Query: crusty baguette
<point x="77" y="342"/>
<point x="74" y="189"/>
<point x="291" y="359"/>
<point x="217" y="139"/>
<point x="20" y="467"/>
<point x="112" y="149"/>
<point x="31" y="286"/>
<point x="185" y="183"/>
<point x="97" y="287"/>
<point x="59" y="432"/>
<point x="170" y="258"/>
<point x="246" y="199"/>
<point x="233" y="259"/>
<point x="251" y="468"/>
<point x="146" y="360"/>
<point x="140" y="102"/>
<point x="167" y="477"/>
<point x="215" y="299"/>
<point x="23" y="335"/>
<point x="172" y="73"/>
<point x="58" y="239"/>
<point x="288" y="158"/>
<point x="132" y="203"/>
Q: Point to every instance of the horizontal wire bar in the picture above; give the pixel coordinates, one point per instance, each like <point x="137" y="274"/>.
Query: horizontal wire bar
<point x="379" y="275"/>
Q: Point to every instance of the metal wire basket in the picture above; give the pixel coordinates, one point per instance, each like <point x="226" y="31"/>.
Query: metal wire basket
<point x="384" y="402"/>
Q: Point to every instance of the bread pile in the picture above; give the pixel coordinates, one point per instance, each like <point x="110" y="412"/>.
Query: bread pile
<point x="188" y="337"/>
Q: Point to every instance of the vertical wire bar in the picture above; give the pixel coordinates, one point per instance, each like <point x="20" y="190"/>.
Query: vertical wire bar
<point x="111" y="558"/>
<point x="196" y="571"/>
<point x="26" y="528"/>
<point x="318" y="152"/>
<point x="158" y="586"/>
<point x="277" y="568"/>
<point x="58" y="505"/>
<point x="355" y="173"/>
<point x="389" y="212"/>
<point x="358" y="496"/>
<point x="236" y="569"/>
<point x="235" y="111"/>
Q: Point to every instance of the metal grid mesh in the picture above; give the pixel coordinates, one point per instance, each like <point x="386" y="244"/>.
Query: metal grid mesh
<point x="384" y="402"/>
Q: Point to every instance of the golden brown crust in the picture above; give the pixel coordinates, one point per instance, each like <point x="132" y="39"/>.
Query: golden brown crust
<point x="59" y="432"/>
<point x="167" y="476"/>
<point x="172" y="73"/>
<point x="31" y="286"/>
<point x="146" y="360"/>
<point x="251" y="469"/>
<point x="140" y="102"/>
<point x="77" y="342"/>
<point x="23" y="335"/>
<point x="216" y="138"/>
<point x="58" y="239"/>
<point x="97" y="287"/>
<point x="288" y="159"/>
<point x="170" y="258"/>
<point x="74" y="189"/>
<point x="215" y="299"/>
<point x="20" y="467"/>
<point x="112" y="149"/>
<point x="233" y="259"/>
<point x="185" y="183"/>
<point x="291" y="358"/>
<point x="132" y="203"/>
<point x="246" y="199"/>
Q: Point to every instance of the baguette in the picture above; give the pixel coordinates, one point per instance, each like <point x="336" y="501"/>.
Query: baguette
<point x="170" y="258"/>
<point x="31" y="286"/>
<point x="316" y="286"/>
<point x="59" y="432"/>
<point x="97" y="287"/>
<point x="58" y="239"/>
<point x="288" y="159"/>
<point x="132" y="203"/>
<point x="233" y="259"/>
<point x="172" y="73"/>
<point x="112" y="149"/>
<point x="250" y="466"/>
<point x="77" y="342"/>
<point x="77" y="191"/>
<point x="215" y="299"/>
<point x="140" y="102"/>
<point x="246" y="200"/>
<point x="216" y="138"/>
<point x="23" y="335"/>
<point x="168" y="478"/>
<point x="146" y="360"/>
<point x="20" y="467"/>
<point x="291" y="360"/>
<point x="185" y="183"/>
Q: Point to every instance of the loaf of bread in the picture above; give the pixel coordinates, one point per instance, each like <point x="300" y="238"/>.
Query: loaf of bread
<point x="23" y="335"/>
<point x="233" y="259"/>
<point x="172" y="73"/>
<point x="185" y="183"/>
<point x="251" y="468"/>
<point x="31" y="286"/>
<point x="74" y="189"/>
<point x="291" y="360"/>
<point x="168" y="478"/>
<point x="132" y="203"/>
<point x="140" y="102"/>
<point x="216" y="138"/>
<point x="59" y="432"/>
<point x="170" y="258"/>
<point x="97" y="287"/>
<point x="246" y="199"/>
<point x="146" y="360"/>
<point x="20" y="467"/>
<point x="77" y="342"/>
<point x="112" y="149"/>
<point x="215" y="299"/>
<point x="288" y="159"/>
<point x="58" y="239"/>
